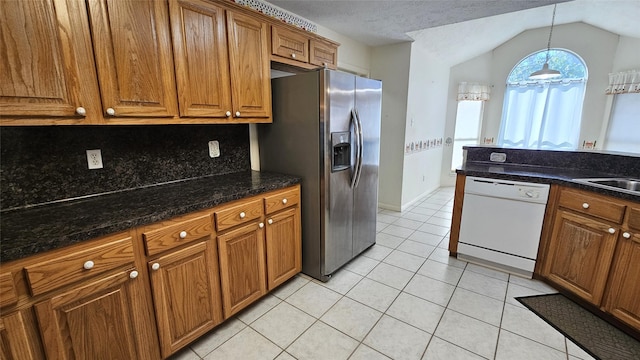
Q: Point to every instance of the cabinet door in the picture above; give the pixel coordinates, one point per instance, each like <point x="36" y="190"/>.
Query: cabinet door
<point x="47" y="63"/>
<point x="250" y="67"/>
<point x="19" y="338"/>
<point x="580" y="254"/>
<point x="242" y="267"/>
<point x="623" y="299"/>
<point x="284" y="247"/>
<point x="98" y="320"/>
<point x="201" y="58"/>
<point x="324" y="54"/>
<point x="132" y="45"/>
<point x="289" y="44"/>
<point x="186" y="293"/>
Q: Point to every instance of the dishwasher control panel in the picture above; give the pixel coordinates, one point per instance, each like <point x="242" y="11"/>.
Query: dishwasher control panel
<point x="507" y="189"/>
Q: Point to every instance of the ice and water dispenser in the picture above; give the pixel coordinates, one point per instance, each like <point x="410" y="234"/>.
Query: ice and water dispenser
<point x="341" y="151"/>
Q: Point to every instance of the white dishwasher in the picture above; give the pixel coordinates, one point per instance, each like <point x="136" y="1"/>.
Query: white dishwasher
<point x="501" y="223"/>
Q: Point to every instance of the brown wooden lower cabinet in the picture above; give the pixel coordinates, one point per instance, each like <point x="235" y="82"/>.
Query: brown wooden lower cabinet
<point x="593" y="251"/>
<point x="186" y="293"/>
<point x="284" y="249"/>
<point x="242" y="267"/>
<point x="99" y="319"/>
<point x="623" y="299"/>
<point x="19" y="337"/>
<point x="580" y="254"/>
<point x="99" y="299"/>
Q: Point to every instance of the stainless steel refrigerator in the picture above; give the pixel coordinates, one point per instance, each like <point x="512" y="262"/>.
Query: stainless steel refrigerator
<point x="326" y="129"/>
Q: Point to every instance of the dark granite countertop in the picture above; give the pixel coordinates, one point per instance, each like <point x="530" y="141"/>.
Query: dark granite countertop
<point x="25" y="232"/>
<point x="543" y="174"/>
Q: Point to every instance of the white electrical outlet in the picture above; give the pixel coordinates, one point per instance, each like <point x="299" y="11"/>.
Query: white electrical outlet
<point x="94" y="159"/>
<point x="214" y="149"/>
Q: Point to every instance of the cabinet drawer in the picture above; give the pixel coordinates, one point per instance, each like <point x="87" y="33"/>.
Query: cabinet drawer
<point x="588" y="204"/>
<point x="634" y="218"/>
<point x="172" y="233"/>
<point x="289" y="44"/>
<point x="281" y="200"/>
<point x="79" y="265"/>
<point x="8" y="294"/>
<point x="240" y="213"/>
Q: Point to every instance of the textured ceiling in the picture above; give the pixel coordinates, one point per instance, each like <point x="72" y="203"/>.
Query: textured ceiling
<point x="384" y="22"/>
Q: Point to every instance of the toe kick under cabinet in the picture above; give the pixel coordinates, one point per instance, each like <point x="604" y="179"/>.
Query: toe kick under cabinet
<point x="147" y="292"/>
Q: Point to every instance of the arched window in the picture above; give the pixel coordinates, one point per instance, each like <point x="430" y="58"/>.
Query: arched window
<point x="544" y="114"/>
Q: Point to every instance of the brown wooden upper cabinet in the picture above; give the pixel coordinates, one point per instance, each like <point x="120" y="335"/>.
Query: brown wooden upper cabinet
<point x="222" y="65"/>
<point x="132" y="44"/>
<point x="48" y="73"/>
<point x="302" y="49"/>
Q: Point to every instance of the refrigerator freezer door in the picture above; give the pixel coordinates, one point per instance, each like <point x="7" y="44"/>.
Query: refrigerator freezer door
<point x="368" y="105"/>
<point x="338" y="195"/>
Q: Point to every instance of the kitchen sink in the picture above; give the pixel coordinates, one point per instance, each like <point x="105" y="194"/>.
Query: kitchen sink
<point x="628" y="185"/>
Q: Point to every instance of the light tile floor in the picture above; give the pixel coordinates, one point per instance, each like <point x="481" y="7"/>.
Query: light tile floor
<point x="404" y="298"/>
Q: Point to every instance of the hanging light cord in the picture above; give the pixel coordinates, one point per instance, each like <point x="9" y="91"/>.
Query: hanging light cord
<point x="553" y="18"/>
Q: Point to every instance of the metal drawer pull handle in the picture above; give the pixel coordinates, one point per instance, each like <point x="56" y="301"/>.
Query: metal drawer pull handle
<point x="270" y="221"/>
<point x="133" y="274"/>
<point x="242" y="215"/>
<point x="284" y="201"/>
<point x="155" y="266"/>
<point x="88" y="265"/>
<point x="261" y="225"/>
<point x="626" y="235"/>
<point x="612" y="231"/>
<point x="585" y="205"/>
<point x="183" y="234"/>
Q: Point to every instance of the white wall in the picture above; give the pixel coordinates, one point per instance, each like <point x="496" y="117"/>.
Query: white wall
<point x="391" y="65"/>
<point x="426" y="109"/>
<point x="595" y="46"/>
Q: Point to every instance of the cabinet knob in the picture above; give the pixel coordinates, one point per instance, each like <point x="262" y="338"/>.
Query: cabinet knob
<point x="243" y="215"/>
<point x="155" y="266"/>
<point x="133" y="274"/>
<point x="261" y="225"/>
<point x="626" y="235"/>
<point x="81" y="111"/>
<point x="228" y="113"/>
<point x="612" y="231"/>
<point x="284" y="201"/>
<point x="270" y="221"/>
<point x="183" y="234"/>
<point x="111" y="112"/>
<point x="293" y="56"/>
<point x="324" y="64"/>
<point x="237" y="113"/>
<point x="88" y="265"/>
<point x="585" y="205"/>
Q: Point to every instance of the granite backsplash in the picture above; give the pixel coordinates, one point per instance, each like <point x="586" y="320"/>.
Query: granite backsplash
<point x="43" y="164"/>
<point x="611" y="163"/>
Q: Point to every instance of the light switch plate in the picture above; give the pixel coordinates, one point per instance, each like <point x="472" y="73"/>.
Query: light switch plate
<point x="214" y="149"/>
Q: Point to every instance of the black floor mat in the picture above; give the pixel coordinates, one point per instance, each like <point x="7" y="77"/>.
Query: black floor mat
<point x="594" y="335"/>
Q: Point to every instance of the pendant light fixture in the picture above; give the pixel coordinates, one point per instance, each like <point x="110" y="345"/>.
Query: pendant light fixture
<point x="545" y="73"/>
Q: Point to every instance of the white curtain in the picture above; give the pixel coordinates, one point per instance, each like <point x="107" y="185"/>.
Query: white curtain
<point x="542" y="115"/>
<point x="473" y="91"/>
<point x="624" y="82"/>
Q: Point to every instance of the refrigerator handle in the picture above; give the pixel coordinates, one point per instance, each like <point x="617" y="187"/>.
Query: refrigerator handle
<point x="360" y="147"/>
<point x="356" y="128"/>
